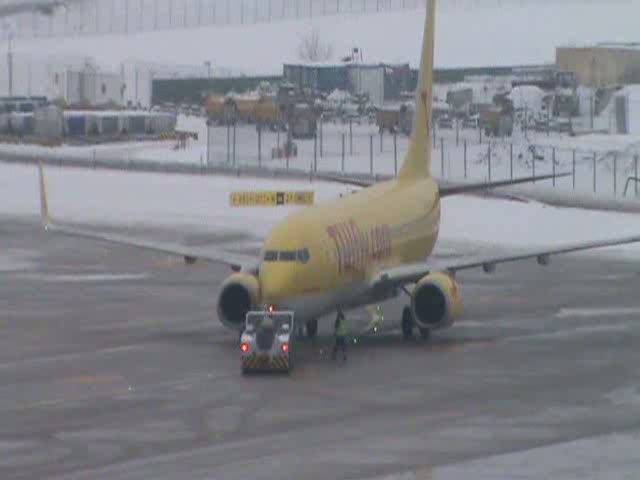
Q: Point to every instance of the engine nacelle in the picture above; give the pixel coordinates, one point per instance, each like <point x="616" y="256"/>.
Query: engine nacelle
<point x="436" y="302"/>
<point x="240" y="294"/>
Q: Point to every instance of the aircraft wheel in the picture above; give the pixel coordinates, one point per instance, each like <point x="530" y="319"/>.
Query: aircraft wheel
<point x="312" y="328"/>
<point x="407" y="323"/>
<point x="425" y="334"/>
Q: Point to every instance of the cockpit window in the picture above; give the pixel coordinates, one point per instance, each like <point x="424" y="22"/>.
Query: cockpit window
<point x="271" y="256"/>
<point x="303" y="255"/>
<point x="288" y="256"/>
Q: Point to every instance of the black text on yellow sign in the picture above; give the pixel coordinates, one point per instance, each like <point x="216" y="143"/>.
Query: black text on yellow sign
<point x="266" y="198"/>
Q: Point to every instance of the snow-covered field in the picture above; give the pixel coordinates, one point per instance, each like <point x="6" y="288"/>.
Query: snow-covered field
<point x="189" y="203"/>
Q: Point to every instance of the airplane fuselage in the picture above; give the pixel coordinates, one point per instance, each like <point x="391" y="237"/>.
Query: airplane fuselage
<point x="320" y="259"/>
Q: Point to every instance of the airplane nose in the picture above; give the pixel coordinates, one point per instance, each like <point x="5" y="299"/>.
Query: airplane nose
<point x="276" y="283"/>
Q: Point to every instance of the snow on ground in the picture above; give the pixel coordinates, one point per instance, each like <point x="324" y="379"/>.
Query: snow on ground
<point x="364" y="153"/>
<point x="468" y="34"/>
<point x="192" y="203"/>
<point x="611" y="456"/>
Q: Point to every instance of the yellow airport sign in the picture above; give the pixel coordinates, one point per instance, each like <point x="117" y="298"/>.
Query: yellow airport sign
<point x="270" y="198"/>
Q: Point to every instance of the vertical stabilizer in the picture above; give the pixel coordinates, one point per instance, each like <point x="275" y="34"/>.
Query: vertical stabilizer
<point x="417" y="163"/>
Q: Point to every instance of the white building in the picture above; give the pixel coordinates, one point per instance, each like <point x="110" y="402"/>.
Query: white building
<point x="89" y="87"/>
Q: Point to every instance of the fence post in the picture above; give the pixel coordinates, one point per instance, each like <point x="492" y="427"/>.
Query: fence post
<point x="321" y="135"/>
<point x="208" y="143"/>
<point x="635" y="166"/>
<point x="553" y="165"/>
<point x="315" y="153"/>
<point x="371" y="154"/>
<point x="465" y="158"/>
<point x="457" y="132"/>
<point x="343" y="152"/>
<point x="442" y="157"/>
<point x="381" y="135"/>
<point x="228" y="143"/>
<point x="433" y="134"/>
<point x="489" y="159"/>
<point x="573" y="168"/>
<point x="480" y="130"/>
<point x="234" y="143"/>
<point x="395" y="154"/>
<point x="350" y="138"/>
<point x="594" y="171"/>
<point x="259" y="145"/>
<point x="511" y="160"/>
<point x="615" y="174"/>
<point x="533" y="166"/>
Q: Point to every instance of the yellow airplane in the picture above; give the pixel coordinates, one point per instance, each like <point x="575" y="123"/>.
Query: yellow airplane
<point x="357" y="250"/>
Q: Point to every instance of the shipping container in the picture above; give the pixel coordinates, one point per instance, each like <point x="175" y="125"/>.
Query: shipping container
<point x="4" y="123"/>
<point x="49" y="122"/>
<point x="109" y="124"/>
<point x="75" y="125"/>
<point x="136" y="124"/>
<point x="22" y="123"/>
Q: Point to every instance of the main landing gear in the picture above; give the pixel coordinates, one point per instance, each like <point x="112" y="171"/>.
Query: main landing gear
<point x="408" y="323"/>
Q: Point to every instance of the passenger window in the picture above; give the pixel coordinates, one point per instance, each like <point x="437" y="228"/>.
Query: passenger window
<point x="270" y="256"/>
<point x="288" y="256"/>
<point x="303" y="255"/>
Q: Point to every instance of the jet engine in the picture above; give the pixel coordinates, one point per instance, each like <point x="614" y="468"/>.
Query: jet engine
<point x="240" y="294"/>
<point x="436" y="302"/>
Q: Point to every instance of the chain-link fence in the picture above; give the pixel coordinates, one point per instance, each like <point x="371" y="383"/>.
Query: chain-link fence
<point x="606" y="165"/>
<point x="92" y="17"/>
<point x="602" y="168"/>
<point x="96" y="17"/>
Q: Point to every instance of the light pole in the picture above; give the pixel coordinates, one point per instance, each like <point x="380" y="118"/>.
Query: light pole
<point x="208" y="65"/>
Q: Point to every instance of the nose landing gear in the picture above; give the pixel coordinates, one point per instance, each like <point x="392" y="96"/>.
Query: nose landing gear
<point x="312" y="328"/>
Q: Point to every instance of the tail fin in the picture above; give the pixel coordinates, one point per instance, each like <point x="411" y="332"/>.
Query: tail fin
<point x="417" y="163"/>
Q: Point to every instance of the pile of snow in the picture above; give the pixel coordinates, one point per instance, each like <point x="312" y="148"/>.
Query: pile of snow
<point x="632" y="95"/>
<point x="527" y="97"/>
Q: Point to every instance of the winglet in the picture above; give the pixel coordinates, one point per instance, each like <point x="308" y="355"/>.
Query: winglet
<point x="44" y="204"/>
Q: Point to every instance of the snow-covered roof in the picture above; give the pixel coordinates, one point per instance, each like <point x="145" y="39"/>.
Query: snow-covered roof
<point x="344" y="64"/>
<point x="508" y="33"/>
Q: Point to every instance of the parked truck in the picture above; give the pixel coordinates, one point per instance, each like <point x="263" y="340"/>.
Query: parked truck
<point x="495" y="121"/>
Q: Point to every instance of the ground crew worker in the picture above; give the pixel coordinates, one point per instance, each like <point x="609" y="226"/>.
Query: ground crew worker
<point x="341" y="330"/>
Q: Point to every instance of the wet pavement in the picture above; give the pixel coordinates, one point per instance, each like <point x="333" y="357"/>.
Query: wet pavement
<point x="113" y="365"/>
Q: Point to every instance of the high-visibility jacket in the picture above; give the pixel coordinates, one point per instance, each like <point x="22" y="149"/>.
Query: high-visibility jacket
<point x="343" y="328"/>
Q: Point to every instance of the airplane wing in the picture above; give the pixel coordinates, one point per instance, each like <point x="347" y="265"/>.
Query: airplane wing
<point x="401" y="275"/>
<point x="236" y="261"/>
<point x="447" y="188"/>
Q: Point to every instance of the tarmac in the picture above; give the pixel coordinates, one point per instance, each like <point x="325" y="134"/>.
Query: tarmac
<point x="113" y="365"/>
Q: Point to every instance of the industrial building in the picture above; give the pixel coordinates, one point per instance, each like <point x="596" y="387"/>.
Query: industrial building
<point x="86" y="88"/>
<point x="380" y="82"/>
<point x="601" y="65"/>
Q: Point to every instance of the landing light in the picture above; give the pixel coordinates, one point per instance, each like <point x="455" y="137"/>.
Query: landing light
<point x="285" y="347"/>
<point x="244" y="347"/>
